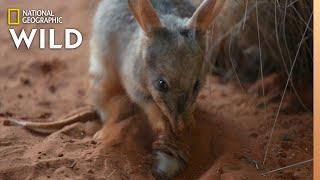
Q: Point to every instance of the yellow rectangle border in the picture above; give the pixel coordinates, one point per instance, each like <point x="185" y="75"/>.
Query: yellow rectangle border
<point x="10" y="10"/>
<point x="316" y="109"/>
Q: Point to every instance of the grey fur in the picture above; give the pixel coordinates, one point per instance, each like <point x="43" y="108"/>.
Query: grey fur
<point x="117" y="39"/>
<point x="136" y="52"/>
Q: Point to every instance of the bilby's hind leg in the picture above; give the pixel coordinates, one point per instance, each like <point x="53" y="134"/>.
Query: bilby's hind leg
<point x="104" y="85"/>
<point x="119" y="108"/>
<point x="105" y="89"/>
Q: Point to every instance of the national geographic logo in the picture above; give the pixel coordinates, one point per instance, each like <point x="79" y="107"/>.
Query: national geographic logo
<point x="32" y="16"/>
<point x="16" y="16"/>
<point x="13" y="16"/>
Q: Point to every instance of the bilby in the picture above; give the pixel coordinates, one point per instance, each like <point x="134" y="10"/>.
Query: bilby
<point x="154" y="53"/>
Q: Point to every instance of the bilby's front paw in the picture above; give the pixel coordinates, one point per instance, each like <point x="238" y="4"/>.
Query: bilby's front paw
<point x="170" y="158"/>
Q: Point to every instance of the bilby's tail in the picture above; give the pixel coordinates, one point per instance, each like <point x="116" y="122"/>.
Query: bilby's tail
<point x="80" y="115"/>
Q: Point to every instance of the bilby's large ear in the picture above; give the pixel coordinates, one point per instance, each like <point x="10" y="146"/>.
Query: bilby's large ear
<point x="203" y="17"/>
<point x="145" y="15"/>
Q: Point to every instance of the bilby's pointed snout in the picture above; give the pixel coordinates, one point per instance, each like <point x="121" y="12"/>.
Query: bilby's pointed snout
<point x="181" y="104"/>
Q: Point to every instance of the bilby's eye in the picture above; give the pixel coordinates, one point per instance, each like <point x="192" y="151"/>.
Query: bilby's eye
<point x="196" y="87"/>
<point x="161" y="85"/>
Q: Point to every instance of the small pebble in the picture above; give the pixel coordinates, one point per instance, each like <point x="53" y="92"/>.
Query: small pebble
<point x="73" y="164"/>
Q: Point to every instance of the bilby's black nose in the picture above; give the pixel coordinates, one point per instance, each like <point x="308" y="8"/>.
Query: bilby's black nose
<point x="182" y="103"/>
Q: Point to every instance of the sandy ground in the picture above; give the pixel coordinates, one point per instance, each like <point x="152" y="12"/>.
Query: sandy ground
<point x="228" y="141"/>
